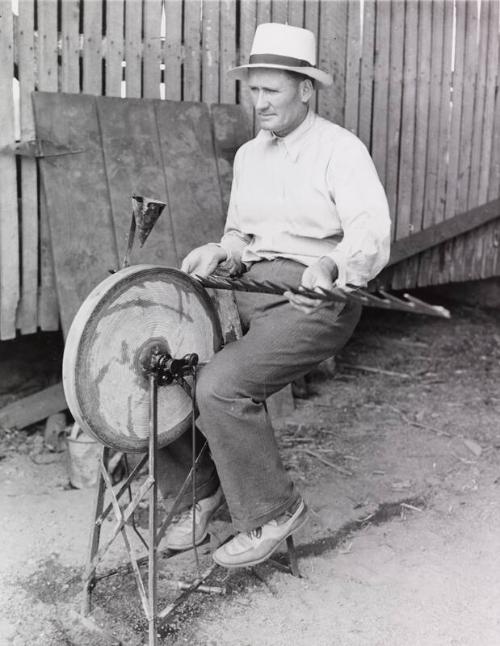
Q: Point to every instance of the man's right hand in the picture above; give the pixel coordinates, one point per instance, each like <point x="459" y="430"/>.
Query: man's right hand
<point x="203" y="261"/>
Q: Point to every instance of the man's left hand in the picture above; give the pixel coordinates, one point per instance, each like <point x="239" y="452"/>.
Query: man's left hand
<point x="322" y="273"/>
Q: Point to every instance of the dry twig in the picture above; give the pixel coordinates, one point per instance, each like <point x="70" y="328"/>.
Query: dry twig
<point x="336" y="467"/>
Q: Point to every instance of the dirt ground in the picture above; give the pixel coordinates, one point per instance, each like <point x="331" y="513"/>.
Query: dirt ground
<point x="397" y="455"/>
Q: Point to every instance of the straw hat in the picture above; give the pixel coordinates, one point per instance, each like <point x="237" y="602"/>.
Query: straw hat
<point x="283" y="47"/>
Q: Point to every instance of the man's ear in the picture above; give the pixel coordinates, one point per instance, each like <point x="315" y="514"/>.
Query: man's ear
<point x="306" y="90"/>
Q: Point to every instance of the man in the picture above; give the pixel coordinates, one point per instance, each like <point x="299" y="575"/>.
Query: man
<point x="306" y="208"/>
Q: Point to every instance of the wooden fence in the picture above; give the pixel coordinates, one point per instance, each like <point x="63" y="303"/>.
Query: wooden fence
<point x="418" y="80"/>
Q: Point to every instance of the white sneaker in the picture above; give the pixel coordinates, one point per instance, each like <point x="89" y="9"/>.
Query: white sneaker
<point x="179" y="536"/>
<point x="250" y="548"/>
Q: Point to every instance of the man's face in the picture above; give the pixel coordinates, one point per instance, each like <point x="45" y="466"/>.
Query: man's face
<point x="280" y="100"/>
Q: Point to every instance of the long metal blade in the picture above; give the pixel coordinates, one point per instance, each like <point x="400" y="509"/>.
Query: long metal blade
<point x="384" y="300"/>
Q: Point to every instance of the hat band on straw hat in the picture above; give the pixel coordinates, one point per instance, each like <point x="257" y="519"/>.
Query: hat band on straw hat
<point x="277" y="59"/>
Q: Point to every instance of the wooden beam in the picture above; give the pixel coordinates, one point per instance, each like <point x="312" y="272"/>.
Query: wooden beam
<point x="443" y="231"/>
<point x="33" y="408"/>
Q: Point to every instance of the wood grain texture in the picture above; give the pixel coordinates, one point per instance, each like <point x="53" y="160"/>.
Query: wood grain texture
<point x="83" y="247"/>
<point x="248" y="22"/>
<point x="231" y="130"/>
<point x="353" y="62"/>
<point x="151" y="58"/>
<point x="381" y="88"/>
<point x="27" y="314"/>
<point x="92" y="50"/>
<point x="115" y="47"/>
<point x="228" y="57"/>
<point x="33" y="408"/>
<point x="332" y="58"/>
<point x="9" y="236"/>
<point x="367" y="74"/>
<point x="48" y="312"/>
<point x="70" y="45"/>
<point x="194" y="197"/>
<point x="133" y="47"/>
<point x="192" y="51"/>
<point x="394" y="115"/>
<point x="210" y="52"/>
<point x="173" y="49"/>
<point x="133" y="164"/>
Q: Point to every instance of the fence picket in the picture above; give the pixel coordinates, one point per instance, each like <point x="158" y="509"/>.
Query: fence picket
<point x="48" y="309"/>
<point x="381" y="88"/>
<point x="311" y="21"/>
<point x="332" y="58"/>
<point x="173" y="49"/>
<point x="151" y="57"/>
<point x="279" y="11"/>
<point x="27" y="318"/>
<point x="9" y="245"/>
<point x="92" y="51"/>
<point x="248" y="22"/>
<point x="366" y="78"/>
<point x="210" y="52"/>
<point x="114" y="47"/>
<point x="353" y="61"/>
<point x="296" y="11"/>
<point x="70" y="45"/>
<point x="227" y="50"/>
<point x="192" y="45"/>
<point x="133" y="55"/>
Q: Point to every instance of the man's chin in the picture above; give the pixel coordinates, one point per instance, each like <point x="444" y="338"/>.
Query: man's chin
<point x="266" y="123"/>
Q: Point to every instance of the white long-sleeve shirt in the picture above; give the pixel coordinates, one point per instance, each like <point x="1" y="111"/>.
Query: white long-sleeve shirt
<point x="310" y="194"/>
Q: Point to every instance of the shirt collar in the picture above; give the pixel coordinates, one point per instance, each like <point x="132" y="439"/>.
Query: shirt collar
<point x="293" y="141"/>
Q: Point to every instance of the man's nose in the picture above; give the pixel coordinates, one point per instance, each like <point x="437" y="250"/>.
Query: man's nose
<point x="261" y="101"/>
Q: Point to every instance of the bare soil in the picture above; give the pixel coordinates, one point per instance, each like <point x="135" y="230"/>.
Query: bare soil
<point x="397" y="455"/>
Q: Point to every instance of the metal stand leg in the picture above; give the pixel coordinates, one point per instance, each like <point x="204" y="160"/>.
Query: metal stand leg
<point x="153" y="495"/>
<point x="292" y="557"/>
<point x="95" y="534"/>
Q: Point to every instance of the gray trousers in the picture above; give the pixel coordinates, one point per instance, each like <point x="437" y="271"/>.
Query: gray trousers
<point x="279" y="344"/>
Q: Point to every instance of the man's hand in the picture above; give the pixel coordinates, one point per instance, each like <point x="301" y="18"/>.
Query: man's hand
<point x="322" y="273"/>
<point x="204" y="260"/>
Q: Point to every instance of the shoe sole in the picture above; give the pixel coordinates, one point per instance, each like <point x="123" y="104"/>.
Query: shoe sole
<point x="301" y="522"/>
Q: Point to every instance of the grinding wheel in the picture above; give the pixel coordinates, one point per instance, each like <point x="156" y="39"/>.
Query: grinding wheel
<point x="126" y="315"/>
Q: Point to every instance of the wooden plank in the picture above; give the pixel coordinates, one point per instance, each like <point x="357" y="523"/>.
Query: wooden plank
<point x="92" y="47"/>
<point x="296" y="11"/>
<point x="332" y="58"/>
<point x="353" y="62"/>
<point x="444" y="231"/>
<point x="367" y="72"/>
<point x="9" y="228"/>
<point x="422" y="115"/>
<point x="173" y="49"/>
<point x="194" y="198"/>
<point x="115" y="18"/>
<point x="456" y="112"/>
<point x="264" y="11"/>
<point x="381" y="87"/>
<point x="48" y="309"/>
<point x="403" y="225"/>
<point x="468" y="96"/>
<point x="33" y="408"/>
<point x="210" y="52"/>
<point x="27" y="315"/>
<point x="231" y="130"/>
<point x="192" y="45"/>
<point x="76" y="192"/>
<point x="70" y="45"/>
<point x="151" y="58"/>
<point x="403" y="220"/>
<point x="134" y="166"/>
<point x="133" y="48"/>
<point x="248" y="21"/>
<point x="431" y="261"/>
<point x="479" y="114"/>
<point x="279" y="12"/>
<point x="489" y="109"/>
<point x="228" y="57"/>
<point x="395" y="93"/>
<point x="311" y="21"/>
